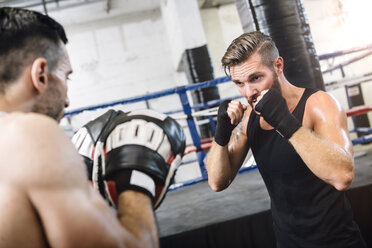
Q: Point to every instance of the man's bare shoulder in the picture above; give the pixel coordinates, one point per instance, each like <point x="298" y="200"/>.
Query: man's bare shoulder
<point x="28" y="130"/>
<point x="18" y="121"/>
<point x="321" y="101"/>
<point x="322" y="107"/>
<point x="35" y="149"/>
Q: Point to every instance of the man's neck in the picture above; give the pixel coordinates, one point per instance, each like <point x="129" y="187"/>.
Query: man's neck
<point x="291" y="93"/>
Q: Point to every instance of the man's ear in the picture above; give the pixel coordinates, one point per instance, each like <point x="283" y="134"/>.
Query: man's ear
<point x="39" y="74"/>
<point x="279" y="65"/>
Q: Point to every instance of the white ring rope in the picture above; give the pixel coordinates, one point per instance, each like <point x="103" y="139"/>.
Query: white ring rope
<point x="348" y="81"/>
<point x="206" y="112"/>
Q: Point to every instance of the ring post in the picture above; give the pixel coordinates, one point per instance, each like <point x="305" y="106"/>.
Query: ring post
<point x="181" y="91"/>
<point x="210" y="118"/>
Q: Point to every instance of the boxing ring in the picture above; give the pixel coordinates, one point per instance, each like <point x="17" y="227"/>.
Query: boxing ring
<point x="190" y="112"/>
<point x="360" y="110"/>
<point x="189" y="219"/>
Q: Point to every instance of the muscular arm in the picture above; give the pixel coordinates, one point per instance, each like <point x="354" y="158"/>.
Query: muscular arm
<point x="327" y="150"/>
<point x="224" y="162"/>
<point x="71" y="213"/>
<point x="136" y="214"/>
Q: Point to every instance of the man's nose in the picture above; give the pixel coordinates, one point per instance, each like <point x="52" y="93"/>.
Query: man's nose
<point x="67" y="102"/>
<point x="250" y="91"/>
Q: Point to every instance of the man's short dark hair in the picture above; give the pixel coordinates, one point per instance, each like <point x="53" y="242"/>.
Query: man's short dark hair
<point x="24" y="36"/>
<point x="248" y="44"/>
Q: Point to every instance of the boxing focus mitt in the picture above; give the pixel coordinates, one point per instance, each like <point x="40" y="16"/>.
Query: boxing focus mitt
<point x="85" y="140"/>
<point x="140" y="151"/>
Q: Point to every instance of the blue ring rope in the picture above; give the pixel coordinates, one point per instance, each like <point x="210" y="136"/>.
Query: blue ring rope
<point x="153" y="95"/>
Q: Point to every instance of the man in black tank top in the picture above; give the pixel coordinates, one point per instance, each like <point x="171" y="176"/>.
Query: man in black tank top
<point x="300" y="141"/>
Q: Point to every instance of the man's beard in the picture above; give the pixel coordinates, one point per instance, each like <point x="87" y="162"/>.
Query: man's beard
<point x="276" y="84"/>
<point x="50" y="104"/>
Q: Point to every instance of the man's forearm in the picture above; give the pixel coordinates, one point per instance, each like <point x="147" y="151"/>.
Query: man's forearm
<point x="218" y="167"/>
<point x="328" y="161"/>
<point x="136" y="215"/>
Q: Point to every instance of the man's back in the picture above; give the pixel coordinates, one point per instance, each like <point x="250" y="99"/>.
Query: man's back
<point x="20" y="224"/>
<point x="46" y="200"/>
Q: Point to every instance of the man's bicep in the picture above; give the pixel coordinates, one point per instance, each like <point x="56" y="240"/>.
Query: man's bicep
<point x="330" y="123"/>
<point x="71" y="218"/>
<point x="71" y="213"/>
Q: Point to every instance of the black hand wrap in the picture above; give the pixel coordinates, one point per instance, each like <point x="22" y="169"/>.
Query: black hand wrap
<point x="273" y="108"/>
<point x="224" y="127"/>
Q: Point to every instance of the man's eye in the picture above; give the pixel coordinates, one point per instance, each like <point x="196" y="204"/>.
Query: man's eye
<point x="255" y="78"/>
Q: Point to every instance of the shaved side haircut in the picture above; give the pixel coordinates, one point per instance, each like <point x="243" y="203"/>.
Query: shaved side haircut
<point x="26" y="35"/>
<point x="248" y="44"/>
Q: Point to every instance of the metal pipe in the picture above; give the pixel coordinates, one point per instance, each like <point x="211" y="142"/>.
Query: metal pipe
<point x="61" y="8"/>
<point x="344" y="52"/>
<point x="348" y="62"/>
<point x="108" y="6"/>
<point x="36" y="4"/>
<point x="45" y="7"/>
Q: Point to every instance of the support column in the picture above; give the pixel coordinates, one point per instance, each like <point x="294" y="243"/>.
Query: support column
<point x="189" y="49"/>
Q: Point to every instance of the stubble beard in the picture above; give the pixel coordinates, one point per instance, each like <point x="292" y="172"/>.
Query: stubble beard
<point x="50" y="105"/>
<point x="276" y="84"/>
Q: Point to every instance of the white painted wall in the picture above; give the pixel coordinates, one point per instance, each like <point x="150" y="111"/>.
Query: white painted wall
<point x="120" y="57"/>
<point x="221" y="26"/>
<point x="183" y="26"/>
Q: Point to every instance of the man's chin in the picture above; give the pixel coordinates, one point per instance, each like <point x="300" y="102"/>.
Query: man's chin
<point x="253" y="105"/>
<point x="250" y="102"/>
<point x="60" y="116"/>
<point x="56" y="116"/>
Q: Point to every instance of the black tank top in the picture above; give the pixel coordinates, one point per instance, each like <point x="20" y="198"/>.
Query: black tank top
<point x="307" y="212"/>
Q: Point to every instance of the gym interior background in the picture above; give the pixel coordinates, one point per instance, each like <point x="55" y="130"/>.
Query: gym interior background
<point x="125" y="48"/>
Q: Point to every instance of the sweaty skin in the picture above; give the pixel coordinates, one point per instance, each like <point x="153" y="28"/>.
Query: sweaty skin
<point x="322" y="142"/>
<point x="46" y="199"/>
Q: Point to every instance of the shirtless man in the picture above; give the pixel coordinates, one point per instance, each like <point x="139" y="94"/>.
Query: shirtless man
<point x="46" y="200"/>
<point x="300" y="142"/>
